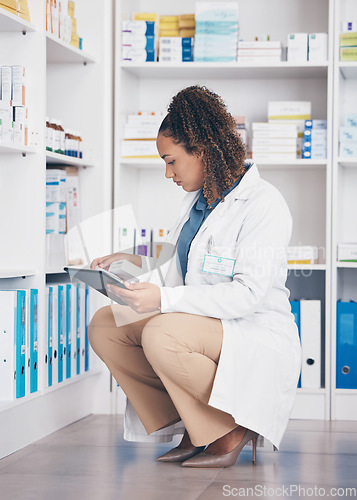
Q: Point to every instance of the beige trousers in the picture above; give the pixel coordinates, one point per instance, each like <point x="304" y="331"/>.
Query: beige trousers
<point x="165" y="364"/>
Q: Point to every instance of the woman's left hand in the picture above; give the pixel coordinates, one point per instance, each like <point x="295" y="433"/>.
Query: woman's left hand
<point x="141" y="297"/>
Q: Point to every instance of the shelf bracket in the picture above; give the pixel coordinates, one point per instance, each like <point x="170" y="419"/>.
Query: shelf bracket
<point x="24" y="32"/>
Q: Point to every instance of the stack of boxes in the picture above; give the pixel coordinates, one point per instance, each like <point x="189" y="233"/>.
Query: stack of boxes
<point x="175" y="49"/>
<point x="302" y="255"/>
<point x="66" y="142"/>
<point x="274" y="141"/>
<point x="138" y="41"/>
<point x="13" y="113"/>
<point x="217" y="29"/>
<point x="293" y="113"/>
<point x="348" y="41"/>
<point x="314" y="144"/>
<point x="176" y="38"/>
<point x="304" y="47"/>
<point x="140" y="134"/>
<point x="348" y="137"/>
<point x="259" y="51"/>
<point x="76" y="40"/>
<point x="187" y="25"/>
<point x="62" y="214"/>
<point x="347" y="252"/>
<point x="169" y="26"/>
<point x="242" y="129"/>
<point x="61" y="23"/>
<point x="18" y="8"/>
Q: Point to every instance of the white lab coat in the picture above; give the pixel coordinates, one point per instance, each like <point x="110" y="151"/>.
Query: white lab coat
<point x="260" y="360"/>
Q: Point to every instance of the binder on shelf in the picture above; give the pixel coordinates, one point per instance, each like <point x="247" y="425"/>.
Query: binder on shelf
<point x="74" y="315"/>
<point x="55" y="335"/>
<point x="158" y="239"/>
<point x="61" y="321"/>
<point x="295" y="309"/>
<point x="310" y="328"/>
<point x="82" y="329"/>
<point x="33" y="340"/>
<point x="49" y="354"/>
<point x="86" y="342"/>
<point x="68" y="342"/>
<point x="126" y="238"/>
<point x="346" y="345"/>
<point x="12" y="344"/>
<point x="78" y="330"/>
<point x="143" y="241"/>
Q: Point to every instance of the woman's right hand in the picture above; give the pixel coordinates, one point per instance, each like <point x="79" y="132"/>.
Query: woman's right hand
<point x="107" y="260"/>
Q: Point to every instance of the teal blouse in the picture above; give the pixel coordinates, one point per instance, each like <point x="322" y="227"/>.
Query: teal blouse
<point x="199" y="213"/>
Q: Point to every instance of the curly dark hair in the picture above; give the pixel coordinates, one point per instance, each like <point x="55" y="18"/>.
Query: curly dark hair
<point x="198" y="119"/>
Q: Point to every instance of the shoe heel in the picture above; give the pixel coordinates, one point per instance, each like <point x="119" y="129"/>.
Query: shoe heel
<point x="254" y="450"/>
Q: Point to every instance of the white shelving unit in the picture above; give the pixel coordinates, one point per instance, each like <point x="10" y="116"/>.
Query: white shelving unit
<point x="278" y="164"/>
<point x="59" y="159"/>
<point x="246" y="88"/>
<point x="344" y="229"/>
<point x="76" y="87"/>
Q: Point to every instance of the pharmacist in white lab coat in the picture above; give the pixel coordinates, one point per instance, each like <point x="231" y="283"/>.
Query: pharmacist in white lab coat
<point x="222" y="273"/>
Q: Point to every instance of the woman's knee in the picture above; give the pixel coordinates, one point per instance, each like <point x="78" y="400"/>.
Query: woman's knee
<point x="158" y="336"/>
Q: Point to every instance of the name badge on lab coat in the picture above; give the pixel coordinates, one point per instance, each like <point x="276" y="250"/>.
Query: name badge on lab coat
<point x="218" y="265"/>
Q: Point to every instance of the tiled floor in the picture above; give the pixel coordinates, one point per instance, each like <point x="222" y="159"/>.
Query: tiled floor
<point x="89" y="460"/>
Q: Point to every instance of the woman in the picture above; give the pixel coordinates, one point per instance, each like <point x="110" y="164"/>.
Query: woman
<point x="213" y="345"/>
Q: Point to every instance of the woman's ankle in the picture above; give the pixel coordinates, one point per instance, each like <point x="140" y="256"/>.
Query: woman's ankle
<point x="186" y="441"/>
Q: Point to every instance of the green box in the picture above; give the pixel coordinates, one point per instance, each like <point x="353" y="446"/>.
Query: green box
<point x="348" y="39"/>
<point x="348" y="54"/>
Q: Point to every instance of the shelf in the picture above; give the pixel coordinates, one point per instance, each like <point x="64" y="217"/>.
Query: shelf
<point x="11" y="23"/>
<point x="347" y="162"/>
<point x="302" y="390"/>
<point x="348" y="69"/>
<point x="59" y="52"/>
<point x="309" y="267"/>
<point x="6" y="148"/>
<point x="55" y="159"/>
<point x="353" y="392"/>
<point x="16" y="273"/>
<point x="348" y="265"/>
<point x="7" y="405"/>
<point x="289" y="164"/>
<point x="281" y="164"/>
<point x="283" y="69"/>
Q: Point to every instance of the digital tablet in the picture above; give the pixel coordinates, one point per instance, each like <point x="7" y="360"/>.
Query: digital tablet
<point x="97" y="279"/>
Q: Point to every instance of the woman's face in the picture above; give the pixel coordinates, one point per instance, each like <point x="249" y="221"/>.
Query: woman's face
<point x="184" y="169"/>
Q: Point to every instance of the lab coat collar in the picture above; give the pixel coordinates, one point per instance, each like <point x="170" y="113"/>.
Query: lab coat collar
<point x="244" y="189"/>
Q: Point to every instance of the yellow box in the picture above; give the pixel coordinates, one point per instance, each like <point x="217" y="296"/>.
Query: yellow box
<point x="187" y="33"/>
<point x="348" y="39"/>
<point x="145" y="16"/>
<point x="74" y="26"/>
<point x="348" y="54"/>
<point x="168" y="26"/>
<point x="25" y="17"/>
<point x="187" y="16"/>
<point x="12" y="4"/>
<point x="169" y="33"/>
<point x="75" y="41"/>
<point x="12" y="11"/>
<point x="169" y="19"/>
<point x="187" y="24"/>
<point x="71" y="8"/>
